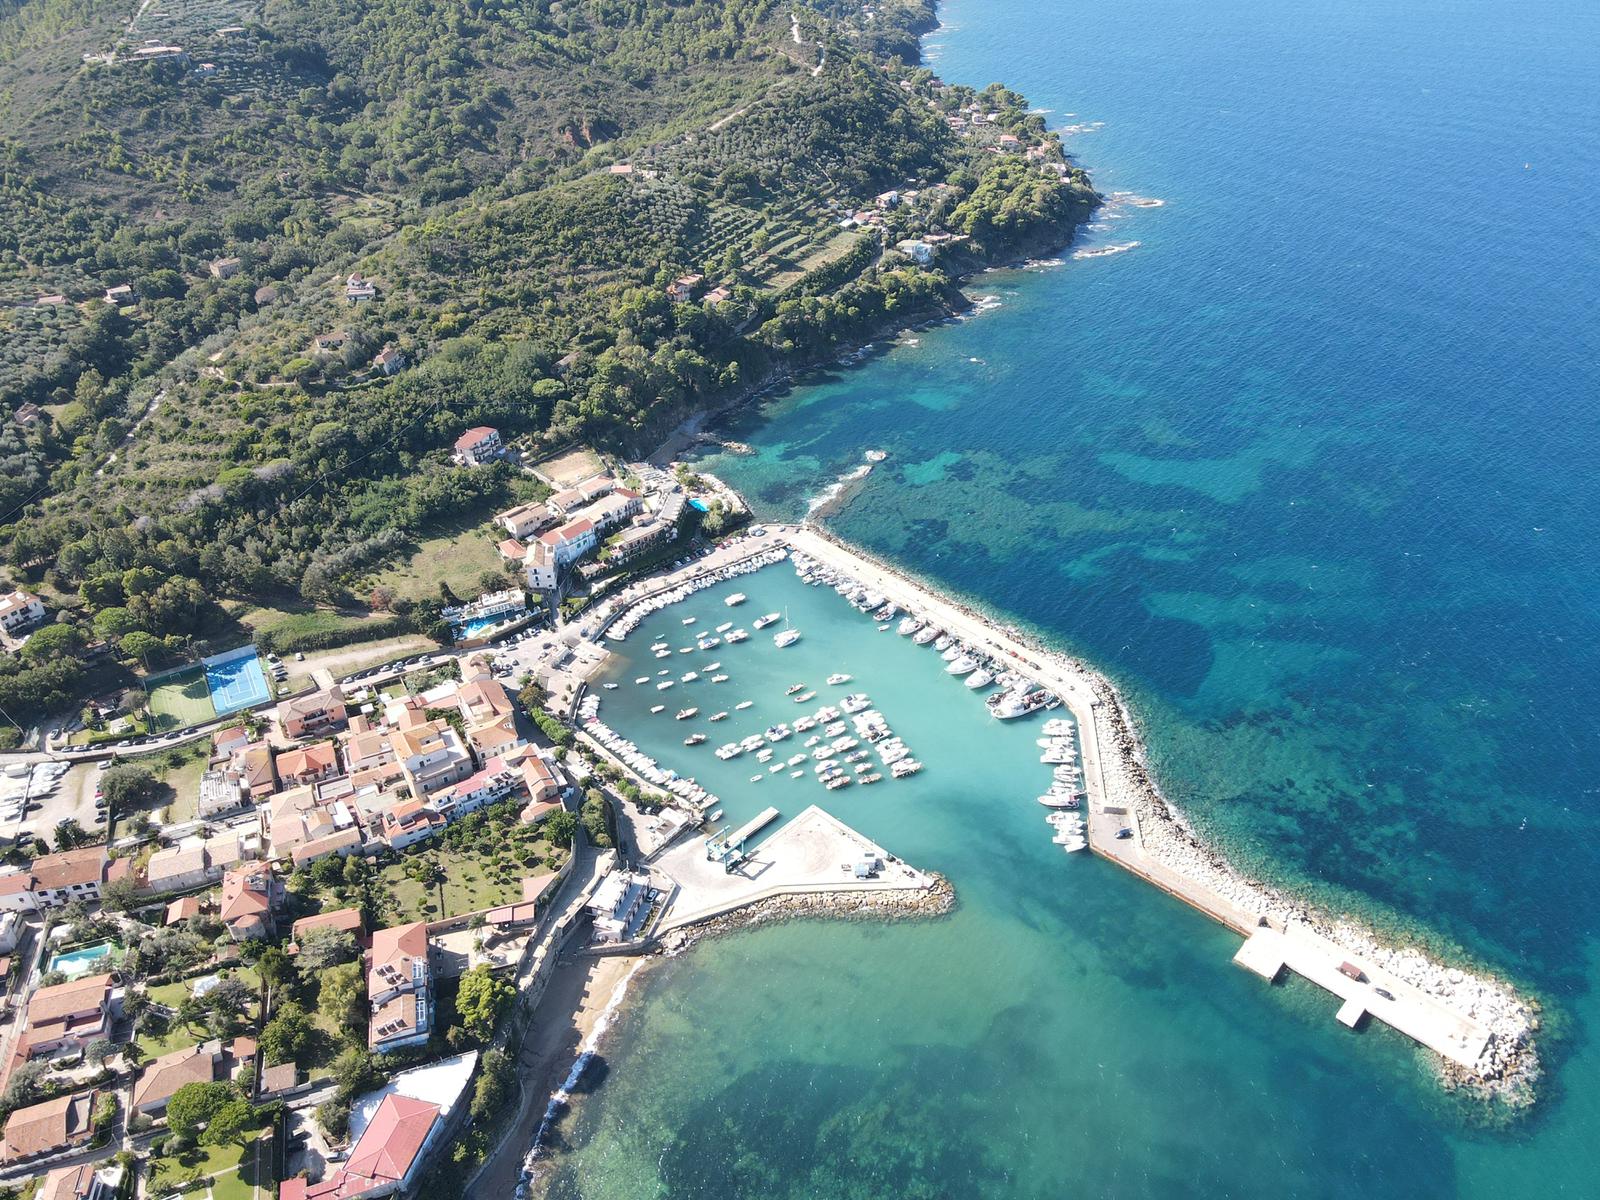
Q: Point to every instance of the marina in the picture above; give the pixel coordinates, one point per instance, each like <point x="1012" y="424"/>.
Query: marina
<point x="1091" y="783"/>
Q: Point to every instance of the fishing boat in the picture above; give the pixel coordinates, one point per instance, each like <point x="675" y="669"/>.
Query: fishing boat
<point x="694" y="739"/>
<point x="685" y="713"/>
<point x="837" y="678"/>
<point x="736" y="599"/>
<point x="718" y="716"/>
<point x="787" y="638"/>
<point x="766" y="619"/>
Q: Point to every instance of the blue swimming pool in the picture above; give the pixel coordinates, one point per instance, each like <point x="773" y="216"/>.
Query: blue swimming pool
<point x="698" y="505"/>
<point x="477" y="627"/>
<point x="75" y="964"/>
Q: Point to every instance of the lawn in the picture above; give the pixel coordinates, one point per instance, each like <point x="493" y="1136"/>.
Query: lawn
<point x="177" y="1035"/>
<point x="184" y="780"/>
<point x="237" y="1170"/>
<point x="181" y="700"/>
<point x="459" y="557"/>
<point x="481" y="872"/>
<point x="295" y="624"/>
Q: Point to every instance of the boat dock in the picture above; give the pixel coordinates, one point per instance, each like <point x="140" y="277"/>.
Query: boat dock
<point x="750" y="828"/>
<point x="1112" y="804"/>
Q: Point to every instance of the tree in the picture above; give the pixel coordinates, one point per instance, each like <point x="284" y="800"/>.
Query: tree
<point x="559" y="827"/>
<point x="194" y="1104"/>
<point x="128" y="786"/>
<point x="482" y="998"/>
<point x="324" y="948"/>
<point x="275" y="967"/>
<point x="230" y="1123"/>
<point x="288" y="1037"/>
<point x="69" y="834"/>
<point x="493" y="1088"/>
<point x="97" y="1051"/>
<point x="120" y="895"/>
<point x="343" y="997"/>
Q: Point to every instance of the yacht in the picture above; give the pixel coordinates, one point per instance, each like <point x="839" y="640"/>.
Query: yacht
<point x="731" y="750"/>
<point x="905" y="767"/>
<point x="909" y="625"/>
<point x="762" y="622"/>
<point x="802" y="724"/>
<point x="694" y="739"/>
<point x="718" y="716"/>
<point x="793" y="688"/>
<point x="685" y="713"/>
<point x="979" y="679"/>
<point x="796" y="759"/>
<point x="776" y="733"/>
<point x="924" y="636"/>
<point x="872" y="778"/>
<point x="855" y="702"/>
<point x="944" y="643"/>
<point x="961" y="666"/>
<point x="1058" y="800"/>
<point x="787" y="638"/>
<point x="839" y="677"/>
<point x="736" y="599"/>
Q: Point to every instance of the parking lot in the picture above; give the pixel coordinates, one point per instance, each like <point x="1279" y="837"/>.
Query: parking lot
<point x="49" y="794"/>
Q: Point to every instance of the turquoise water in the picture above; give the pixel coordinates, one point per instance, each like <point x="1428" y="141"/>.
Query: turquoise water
<point x="476" y="627"/>
<point x="1307" y="472"/>
<point x="75" y="964"/>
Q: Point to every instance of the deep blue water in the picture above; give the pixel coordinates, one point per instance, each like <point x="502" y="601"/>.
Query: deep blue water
<point x="1309" y="472"/>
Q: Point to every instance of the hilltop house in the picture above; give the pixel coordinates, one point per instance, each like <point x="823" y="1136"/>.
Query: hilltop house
<point x="682" y="289"/>
<point x="224" y="268"/>
<point x="390" y="360"/>
<point x="358" y="289"/>
<point x="19" y="610"/>
<point x="478" y="445"/>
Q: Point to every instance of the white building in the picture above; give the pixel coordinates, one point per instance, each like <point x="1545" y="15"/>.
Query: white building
<point x="19" y="610"/>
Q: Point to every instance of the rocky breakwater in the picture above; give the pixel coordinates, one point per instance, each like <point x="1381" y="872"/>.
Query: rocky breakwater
<point x="877" y="904"/>
<point x="1508" y="1069"/>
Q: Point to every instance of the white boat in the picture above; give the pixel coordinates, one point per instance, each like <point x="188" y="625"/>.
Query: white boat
<point x="642" y="679"/>
<point x="714" y="815"/>
<point x="719" y="679"/>
<point x="961" y="666"/>
<point x="736" y="599"/>
<point x="793" y="688"/>
<point x="724" y="627"/>
<point x="797" y="774"/>
<point x="839" y="677"/>
<point x="1058" y="800"/>
<point x="663" y="685"/>
<point x="763" y="621"/>
<point x="855" y="702"/>
<point x="787" y="638"/>
<point x="979" y="679"/>
<point x="756" y="778"/>
<point x="685" y="713"/>
<point x="776" y="733"/>
<point x="923" y="637"/>
<point x="689" y="620"/>
<point x="796" y="759"/>
<point x="610" y="687"/>
<point x="737" y="636"/>
<point x="659" y="646"/>
<point x="694" y="739"/>
<point x="908" y="625"/>
<point x="718" y="716"/>
<point x="805" y="696"/>
<point x="663" y="653"/>
<point x="712" y="666"/>
<point x="905" y="767"/>
<point x="690" y="676"/>
<point x="743" y="704"/>
<point x="655" y="708"/>
<point x="710" y="643"/>
<point x="686" y="650"/>
<point x="945" y="645"/>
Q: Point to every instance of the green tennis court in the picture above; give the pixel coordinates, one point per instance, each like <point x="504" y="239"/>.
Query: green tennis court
<point x="180" y="699"/>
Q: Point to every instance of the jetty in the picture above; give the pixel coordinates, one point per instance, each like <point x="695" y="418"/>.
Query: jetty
<point x="1117" y="831"/>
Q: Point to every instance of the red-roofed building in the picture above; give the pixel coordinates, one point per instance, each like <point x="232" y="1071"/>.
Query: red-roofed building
<point x="387" y="1159"/>
<point x="345" y="920"/>
<point x="572" y="541"/>
<point x="250" y="893"/>
<point x="308" y="764"/>
<point x="399" y="988"/>
<point x="478" y="445"/>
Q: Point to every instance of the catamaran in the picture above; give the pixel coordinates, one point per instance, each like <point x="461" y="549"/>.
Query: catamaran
<point x="787" y="638"/>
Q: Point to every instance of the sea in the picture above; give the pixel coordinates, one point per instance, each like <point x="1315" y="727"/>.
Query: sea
<point x="1303" y="457"/>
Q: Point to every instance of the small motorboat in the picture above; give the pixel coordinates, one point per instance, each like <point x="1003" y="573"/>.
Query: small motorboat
<point x="655" y="708"/>
<point x="694" y="739"/>
<point x="685" y="713"/>
<point x="839" y="677"/>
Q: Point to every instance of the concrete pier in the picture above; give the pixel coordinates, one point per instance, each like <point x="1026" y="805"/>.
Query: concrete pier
<point x="1454" y="1034"/>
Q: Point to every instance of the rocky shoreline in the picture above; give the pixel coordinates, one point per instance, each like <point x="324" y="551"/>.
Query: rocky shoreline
<point x="1509" y="1069"/>
<point x="887" y="904"/>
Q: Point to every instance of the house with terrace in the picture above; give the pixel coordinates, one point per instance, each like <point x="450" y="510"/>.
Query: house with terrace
<point x="251" y="894"/>
<point x="399" y="988"/>
<point x="313" y="715"/>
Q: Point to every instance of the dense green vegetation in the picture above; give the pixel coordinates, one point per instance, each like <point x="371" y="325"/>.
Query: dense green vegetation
<point x="520" y="180"/>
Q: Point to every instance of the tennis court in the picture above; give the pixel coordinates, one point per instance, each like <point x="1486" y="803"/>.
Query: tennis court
<point x="236" y="680"/>
<point x="179" y="699"/>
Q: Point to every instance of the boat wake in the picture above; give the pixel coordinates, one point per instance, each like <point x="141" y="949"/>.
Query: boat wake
<point x="1104" y="251"/>
<point x="563" y="1095"/>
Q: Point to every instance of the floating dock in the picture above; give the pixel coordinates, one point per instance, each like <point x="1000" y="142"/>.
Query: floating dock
<point x="728" y="848"/>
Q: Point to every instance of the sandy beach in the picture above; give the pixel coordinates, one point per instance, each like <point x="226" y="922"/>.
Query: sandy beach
<point x="582" y="992"/>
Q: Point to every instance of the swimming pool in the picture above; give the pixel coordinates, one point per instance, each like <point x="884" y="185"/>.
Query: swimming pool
<point x="477" y="627"/>
<point x="698" y="505"/>
<point x="75" y="964"/>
